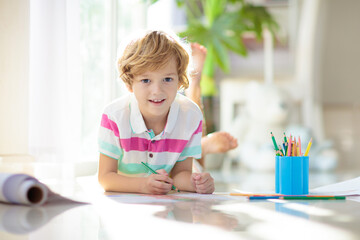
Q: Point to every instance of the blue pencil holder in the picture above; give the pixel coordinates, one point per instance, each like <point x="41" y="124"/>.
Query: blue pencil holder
<point x="292" y="175"/>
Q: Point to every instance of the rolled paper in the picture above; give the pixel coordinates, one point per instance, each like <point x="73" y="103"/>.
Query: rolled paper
<point x="22" y="189"/>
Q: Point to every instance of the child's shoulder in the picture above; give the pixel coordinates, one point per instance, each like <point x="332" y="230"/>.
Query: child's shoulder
<point x="187" y="105"/>
<point x="118" y="105"/>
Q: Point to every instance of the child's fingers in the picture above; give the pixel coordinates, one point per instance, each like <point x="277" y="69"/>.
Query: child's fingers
<point x="162" y="172"/>
<point x="204" y="177"/>
<point x="205" y="188"/>
<point x="208" y="190"/>
<point x="196" y="176"/>
<point x="163" y="178"/>
<point x="160" y="187"/>
<point x="205" y="184"/>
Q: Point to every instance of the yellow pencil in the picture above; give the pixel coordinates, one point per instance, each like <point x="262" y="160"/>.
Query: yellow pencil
<point x="298" y="151"/>
<point x="308" y="148"/>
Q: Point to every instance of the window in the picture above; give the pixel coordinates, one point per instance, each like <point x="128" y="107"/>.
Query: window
<point x="73" y="51"/>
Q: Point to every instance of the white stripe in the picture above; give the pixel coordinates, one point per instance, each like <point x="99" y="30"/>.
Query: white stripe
<point x="159" y="158"/>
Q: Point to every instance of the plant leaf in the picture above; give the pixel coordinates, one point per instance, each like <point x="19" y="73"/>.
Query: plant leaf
<point x="196" y="32"/>
<point x="235" y="44"/>
<point x="220" y="55"/>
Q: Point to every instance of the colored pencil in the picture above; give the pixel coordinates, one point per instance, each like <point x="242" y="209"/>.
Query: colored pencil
<point x="293" y="151"/>
<point x="279" y="195"/>
<point x="285" y="140"/>
<point x="286" y="148"/>
<point x="308" y="148"/>
<point x="289" y="148"/>
<point x="298" y="197"/>
<point x="274" y="141"/>
<point x="281" y="151"/>
<point x="153" y="171"/>
<point x="255" y="194"/>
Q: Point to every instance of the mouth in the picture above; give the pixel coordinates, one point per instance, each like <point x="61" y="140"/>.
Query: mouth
<point x="157" y="101"/>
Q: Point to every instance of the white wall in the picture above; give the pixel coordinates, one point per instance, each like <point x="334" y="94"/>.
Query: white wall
<point x="340" y="55"/>
<point x="14" y="76"/>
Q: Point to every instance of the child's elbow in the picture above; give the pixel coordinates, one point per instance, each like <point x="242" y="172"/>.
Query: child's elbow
<point x="103" y="183"/>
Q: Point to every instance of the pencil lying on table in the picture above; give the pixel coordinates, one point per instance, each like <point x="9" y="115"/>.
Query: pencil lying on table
<point x="259" y="196"/>
<point x="298" y="197"/>
<point x="153" y="171"/>
<point x="255" y="194"/>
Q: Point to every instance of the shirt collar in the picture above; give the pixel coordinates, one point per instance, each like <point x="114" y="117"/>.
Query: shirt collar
<point x="137" y="121"/>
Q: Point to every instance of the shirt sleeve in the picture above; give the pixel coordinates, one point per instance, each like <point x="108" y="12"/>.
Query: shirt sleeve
<point x="193" y="147"/>
<point x="109" y="138"/>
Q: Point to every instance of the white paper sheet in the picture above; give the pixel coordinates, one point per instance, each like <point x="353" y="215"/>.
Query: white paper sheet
<point x="346" y="188"/>
<point x="169" y="198"/>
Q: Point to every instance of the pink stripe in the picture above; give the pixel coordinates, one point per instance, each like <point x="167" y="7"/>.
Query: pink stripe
<point x="109" y="124"/>
<point x="163" y="145"/>
<point x="199" y="129"/>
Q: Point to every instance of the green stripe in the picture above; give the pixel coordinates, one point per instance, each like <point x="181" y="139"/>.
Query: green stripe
<point x="110" y="148"/>
<point x="136" y="168"/>
<point x="151" y="133"/>
<point x="191" y="151"/>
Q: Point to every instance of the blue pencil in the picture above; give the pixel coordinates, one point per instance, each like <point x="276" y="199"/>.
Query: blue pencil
<point x="263" y="197"/>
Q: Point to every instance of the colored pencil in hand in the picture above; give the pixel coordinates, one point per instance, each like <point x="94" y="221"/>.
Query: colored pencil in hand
<point x="153" y="171"/>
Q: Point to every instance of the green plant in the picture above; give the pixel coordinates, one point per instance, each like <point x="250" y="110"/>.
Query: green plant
<point x="220" y="25"/>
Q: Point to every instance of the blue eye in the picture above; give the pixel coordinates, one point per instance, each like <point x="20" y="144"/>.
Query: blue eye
<point x="168" y="79"/>
<point x="145" y="80"/>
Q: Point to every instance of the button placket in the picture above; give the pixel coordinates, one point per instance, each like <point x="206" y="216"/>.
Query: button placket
<point x="150" y="148"/>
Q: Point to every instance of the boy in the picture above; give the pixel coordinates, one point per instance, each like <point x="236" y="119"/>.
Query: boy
<point x="154" y="124"/>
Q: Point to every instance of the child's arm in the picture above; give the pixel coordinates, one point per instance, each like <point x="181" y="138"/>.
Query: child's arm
<point x="185" y="180"/>
<point x="181" y="174"/>
<point x="110" y="180"/>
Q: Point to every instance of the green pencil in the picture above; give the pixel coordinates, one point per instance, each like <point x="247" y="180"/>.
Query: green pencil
<point x="285" y="140"/>
<point x="298" y="197"/>
<point x="313" y="198"/>
<point x="274" y="142"/>
<point x="152" y="170"/>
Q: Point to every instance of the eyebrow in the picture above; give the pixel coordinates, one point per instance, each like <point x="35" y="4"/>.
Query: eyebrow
<point x="170" y="74"/>
<point x="147" y="75"/>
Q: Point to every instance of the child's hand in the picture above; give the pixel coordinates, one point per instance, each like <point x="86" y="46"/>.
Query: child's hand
<point x="203" y="182"/>
<point x="158" y="183"/>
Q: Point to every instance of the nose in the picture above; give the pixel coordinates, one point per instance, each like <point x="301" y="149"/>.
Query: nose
<point x="156" y="87"/>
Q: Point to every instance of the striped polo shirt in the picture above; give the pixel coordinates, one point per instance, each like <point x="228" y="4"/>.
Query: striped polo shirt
<point x="123" y="136"/>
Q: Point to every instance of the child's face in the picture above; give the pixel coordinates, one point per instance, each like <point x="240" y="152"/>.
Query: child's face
<point x="156" y="90"/>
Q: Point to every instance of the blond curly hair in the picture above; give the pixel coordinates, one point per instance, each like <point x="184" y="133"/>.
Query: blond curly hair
<point x="150" y="52"/>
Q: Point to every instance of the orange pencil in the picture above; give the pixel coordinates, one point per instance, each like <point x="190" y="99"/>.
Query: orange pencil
<point x="298" y="151"/>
